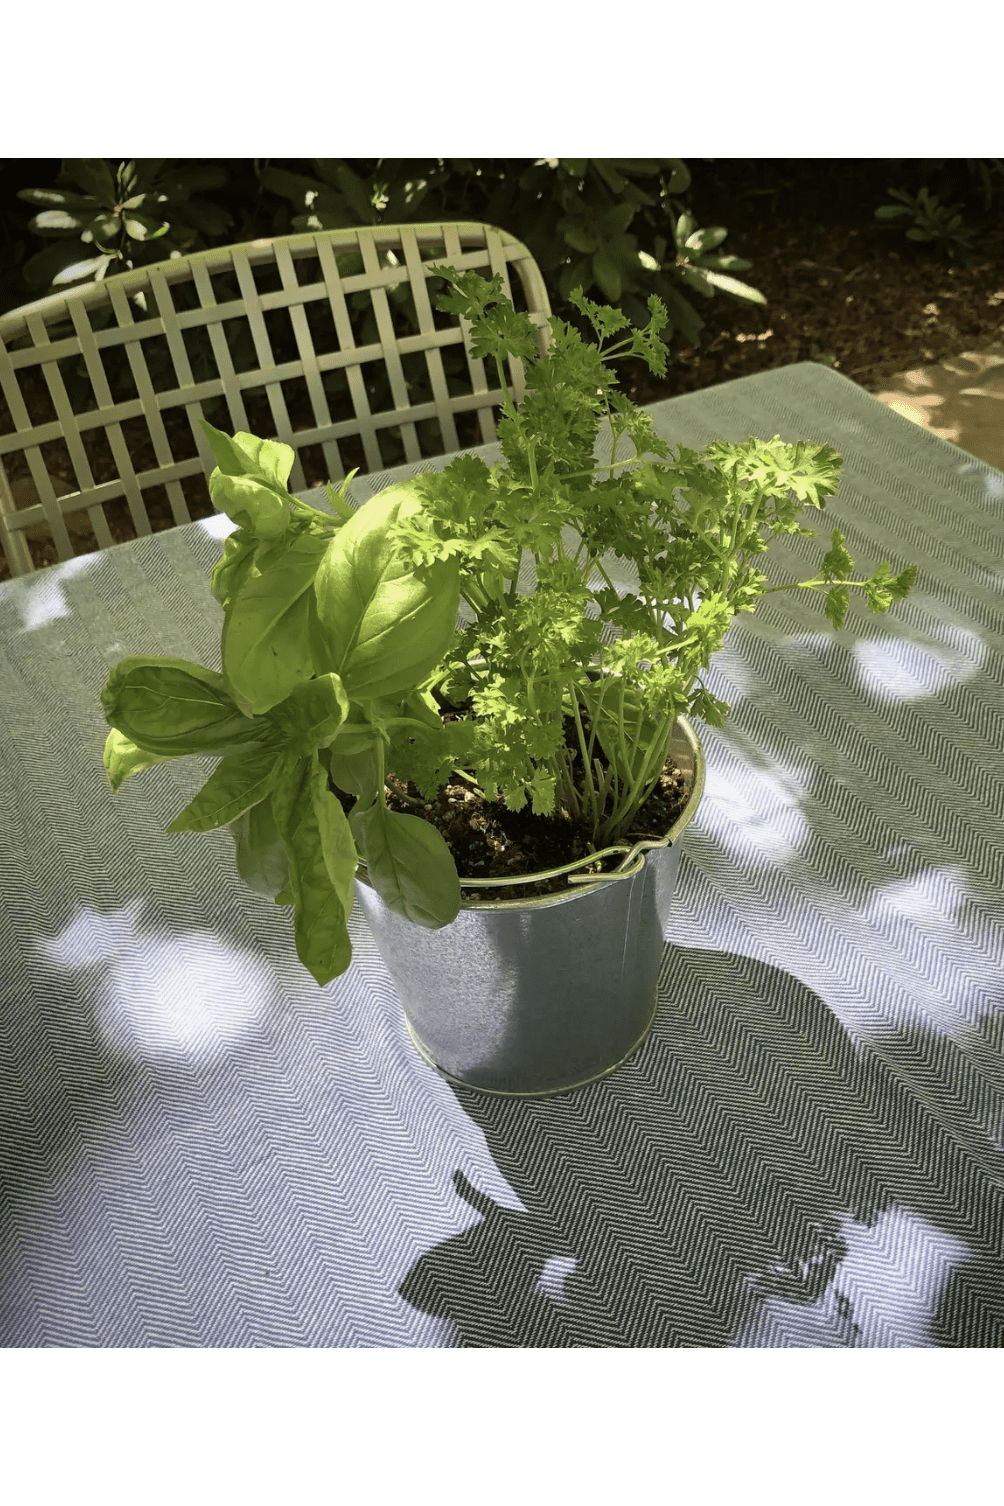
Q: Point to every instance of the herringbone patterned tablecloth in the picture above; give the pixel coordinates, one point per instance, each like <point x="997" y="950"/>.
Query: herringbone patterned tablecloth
<point x="200" y="1147"/>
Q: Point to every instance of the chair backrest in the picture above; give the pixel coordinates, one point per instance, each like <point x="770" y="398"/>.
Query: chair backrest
<point x="101" y="386"/>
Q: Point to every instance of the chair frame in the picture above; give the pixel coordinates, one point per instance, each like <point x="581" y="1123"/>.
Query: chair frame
<point x="466" y="245"/>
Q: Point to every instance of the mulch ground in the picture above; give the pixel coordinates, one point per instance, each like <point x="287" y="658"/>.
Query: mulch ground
<point x="841" y="287"/>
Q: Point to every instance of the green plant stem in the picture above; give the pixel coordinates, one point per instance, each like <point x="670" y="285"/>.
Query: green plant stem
<point x="814" y="585"/>
<point x="728" y="550"/>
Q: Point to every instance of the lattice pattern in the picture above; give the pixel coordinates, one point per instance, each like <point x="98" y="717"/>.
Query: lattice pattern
<point x="369" y="301"/>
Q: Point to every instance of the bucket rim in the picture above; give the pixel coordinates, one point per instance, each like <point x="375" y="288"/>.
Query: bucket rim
<point x="631" y="863"/>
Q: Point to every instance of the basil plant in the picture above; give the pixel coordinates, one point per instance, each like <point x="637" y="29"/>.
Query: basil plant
<point x="338" y="626"/>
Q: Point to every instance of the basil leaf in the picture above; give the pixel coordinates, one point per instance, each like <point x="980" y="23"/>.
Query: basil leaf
<point x="122" y="758"/>
<point x="245" y="455"/>
<point x="251" y="503"/>
<point x="312" y="713"/>
<point x="383" y="624"/>
<point x="262" y="861"/>
<point x="411" y="867"/>
<point x="172" y="707"/>
<point x="240" y="782"/>
<point x="355" y="771"/>
<point x="233" y="565"/>
<point x="266" y="647"/>
<point x="337" y="844"/>
<point x="313" y="842"/>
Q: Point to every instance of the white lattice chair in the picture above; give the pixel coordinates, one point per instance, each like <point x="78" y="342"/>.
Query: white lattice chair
<point x="134" y="306"/>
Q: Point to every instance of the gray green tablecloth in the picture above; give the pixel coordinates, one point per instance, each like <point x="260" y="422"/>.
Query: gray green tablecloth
<point x="200" y="1147"/>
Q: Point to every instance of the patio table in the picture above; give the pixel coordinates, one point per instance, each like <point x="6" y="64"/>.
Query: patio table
<point x="200" y="1147"/>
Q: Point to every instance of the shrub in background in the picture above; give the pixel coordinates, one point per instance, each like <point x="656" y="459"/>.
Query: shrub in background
<point x="612" y="225"/>
<point x="938" y="223"/>
<point x="618" y="227"/>
<point x="101" y="222"/>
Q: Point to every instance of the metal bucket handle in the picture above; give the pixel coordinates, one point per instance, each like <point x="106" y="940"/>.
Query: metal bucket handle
<point x="626" y="868"/>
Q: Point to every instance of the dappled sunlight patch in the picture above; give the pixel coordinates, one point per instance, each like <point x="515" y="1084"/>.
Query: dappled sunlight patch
<point x="895" y="669"/>
<point x="177" y="997"/>
<point x="746" y="808"/>
<point x="884" y="1293"/>
<point x="219" y="526"/>
<point x="892" y="667"/>
<point x="551" y="1282"/>
<point x="165" y="998"/>
<point x="41" y="598"/>
<point x="954" y="977"/>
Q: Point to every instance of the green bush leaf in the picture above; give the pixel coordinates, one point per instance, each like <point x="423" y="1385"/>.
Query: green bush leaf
<point x="145" y="171"/>
<point x="685" y="227"/>
<point x="92" y="269"/>
<point x="682" y="314"/>
<point x="639" y="167"/>
<point x="296" y="187"/>
<point x="211" y="219"/>
<point x="94" y="176"/>
<point x="605" y="168"/>
<point x="706" y="240"/>
<point x="141" y="227"/>
<point x="726" y="263"/>
<point x="62" y="263"/>
<point x="608" y="275"/>
<point x="679" y="180"/>
<point x="179" y="183"/>
<point x="103" y="227"/>
<point x="358" y="194"/>
<point x="697" y="278"/>
<point x="616" y="220"/>
<point x="578" y="236"/>
<point x="59" y="198"/>
<point x="384" y="624"/>
<point x="737" y="289"/>
<point x="60" y="222"/>
<point x="578" y="274"/>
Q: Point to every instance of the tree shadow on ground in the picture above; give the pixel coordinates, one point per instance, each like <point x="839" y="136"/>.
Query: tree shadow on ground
<point x="751" y="1177"/>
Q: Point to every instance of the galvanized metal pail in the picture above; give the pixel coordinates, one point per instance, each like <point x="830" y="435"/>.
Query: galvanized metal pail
<point x="539" y="996"/>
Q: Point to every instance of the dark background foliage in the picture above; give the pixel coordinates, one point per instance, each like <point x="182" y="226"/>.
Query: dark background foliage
<point x="761" y="263"/>
<point x="622" y="229"/>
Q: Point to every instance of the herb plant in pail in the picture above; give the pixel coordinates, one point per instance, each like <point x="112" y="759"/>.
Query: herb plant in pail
<point x="348" y="689"/>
